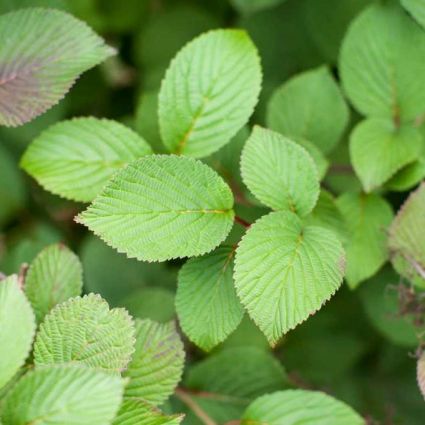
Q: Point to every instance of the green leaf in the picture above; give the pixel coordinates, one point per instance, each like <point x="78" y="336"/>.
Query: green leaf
<point x="54" y="276"/>
<point x="367" y="218"/>
<point x="381" y="63"/>
<point x="10" y="5"/>
<point x="84" y="331"/>
<point x="43" y="51"/>
<point x="279" y="172"/>
<point x="151" y="303"/>
<point x="295" y="407"/>
<point x="209" y="92"/>
<point x="17" y="325"/>
<point x="104" y="268"/>
<point x="12" y="188"/>
<point x="318" y="156"/>
<point x="378" y="149"/>
<point x="68" y="395"/>
<point x="416" y="8"/>
<point x="292" y="113"/>
<point x="137" y="412"/>
<point x="157" y="363"/>
<point x="243" y="373"/>
<point x="407" y="246"/>
<point x="76" y="158"/>
<point x="380" y="298"/>
<point x="327" y="214"/>
<point x="162" y="207"/>
<point x="252" y="6"/>
<point x="206" y="300"/>
<point x="285" y="271"/>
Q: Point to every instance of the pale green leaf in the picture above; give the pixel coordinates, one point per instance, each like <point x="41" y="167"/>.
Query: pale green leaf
<point x="17" y="327"/>
<point x="83" y="330"/>
<point x="296" y="407"/>
<point x="285" y="271"/>
<point x="279" y="172"/>
<point x="406" y="242"/>
<point x="209" y="92"/>
<point x="367" y="218"/>
<point x="54" y="276"/>
<point x="379" y="148"/>
<point x="162" y="207"/>
<point x="243" y="373"/>
<point x="327" y="214"/>
<point x="157" y="363"/>
<point x="137" y="412"/>
<point x="416" y="8"/>
<point x="62" y="395"/>
<point x="206" y="301"/>
<point x="292" y="112"/>
<point x="76" y="158"/>
<point x="42" y="53"/>
<point x="381" y="63"/>
<point x="318" y="156"/>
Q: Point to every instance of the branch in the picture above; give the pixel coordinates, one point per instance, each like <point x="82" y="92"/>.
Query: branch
<point x="194" y="407"/>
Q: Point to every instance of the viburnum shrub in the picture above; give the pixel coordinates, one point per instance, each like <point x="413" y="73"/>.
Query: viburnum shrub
<point x="253" y="196"/>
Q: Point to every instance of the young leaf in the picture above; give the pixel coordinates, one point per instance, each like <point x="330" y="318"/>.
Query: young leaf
<point x="17" y="327"/>
<point x="54" y="276"/>
<point x="292" y="113"/>
<point x="416" y="8"/>
<point x="68" y="395"/>
<point x="243" y="372"/>
<point x="162" y="207"/>
<point x="407" y="246"/>
<point x="279" y="172"/>
<point x="293" y="407"/>
<point x="380" y="63"/>
<point x="137" y="412"/>
<point x="209" y="92"/>
<point x="84" y="331"/>
<point x="367" y="218"/>
<point x="157" y="363"/>
<point x="285" y="271"/>
<point x="378" y="149"/>
<point x="76" y="158"/>
<point x="206" y="300"/>
<point x="42" y="53"/>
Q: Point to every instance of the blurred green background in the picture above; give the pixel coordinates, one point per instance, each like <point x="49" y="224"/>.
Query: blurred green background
<point x="357" y="347"/>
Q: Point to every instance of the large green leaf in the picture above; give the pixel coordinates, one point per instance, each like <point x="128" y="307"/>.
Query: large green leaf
<point x="285" y="271"/>
<point x="42" y="52"/>
<point x="243" y="373"/>
<point x="209" y="92"/>
<point x="416" y="8"/>
<point x="292" y="112"/>
<point x="157" y="363"/>
<point x="279" y="172"/>
<point x="162" y="207"/>
<point x="379" y="148"/>
<point x="206" y="300"/>
<point x="68" y="395"/>
<point x="296" y="407"/>
<point x="54" y="276"/>
<point x="85" y="331"/>
<point x="406" y="241"/>
<point x="381" y="63"/>
<point x="367" y="218"/>
<point x="135" y="411"/>
<point x="17" y="327"/>
<point x="76" y="158"/>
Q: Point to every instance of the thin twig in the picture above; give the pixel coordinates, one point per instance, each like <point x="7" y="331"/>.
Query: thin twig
<point x="242" y="222"/>
<point x="194" y="407"/>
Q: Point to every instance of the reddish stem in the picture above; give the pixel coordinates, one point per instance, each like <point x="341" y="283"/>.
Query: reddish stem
<point x="242" y="222"/>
